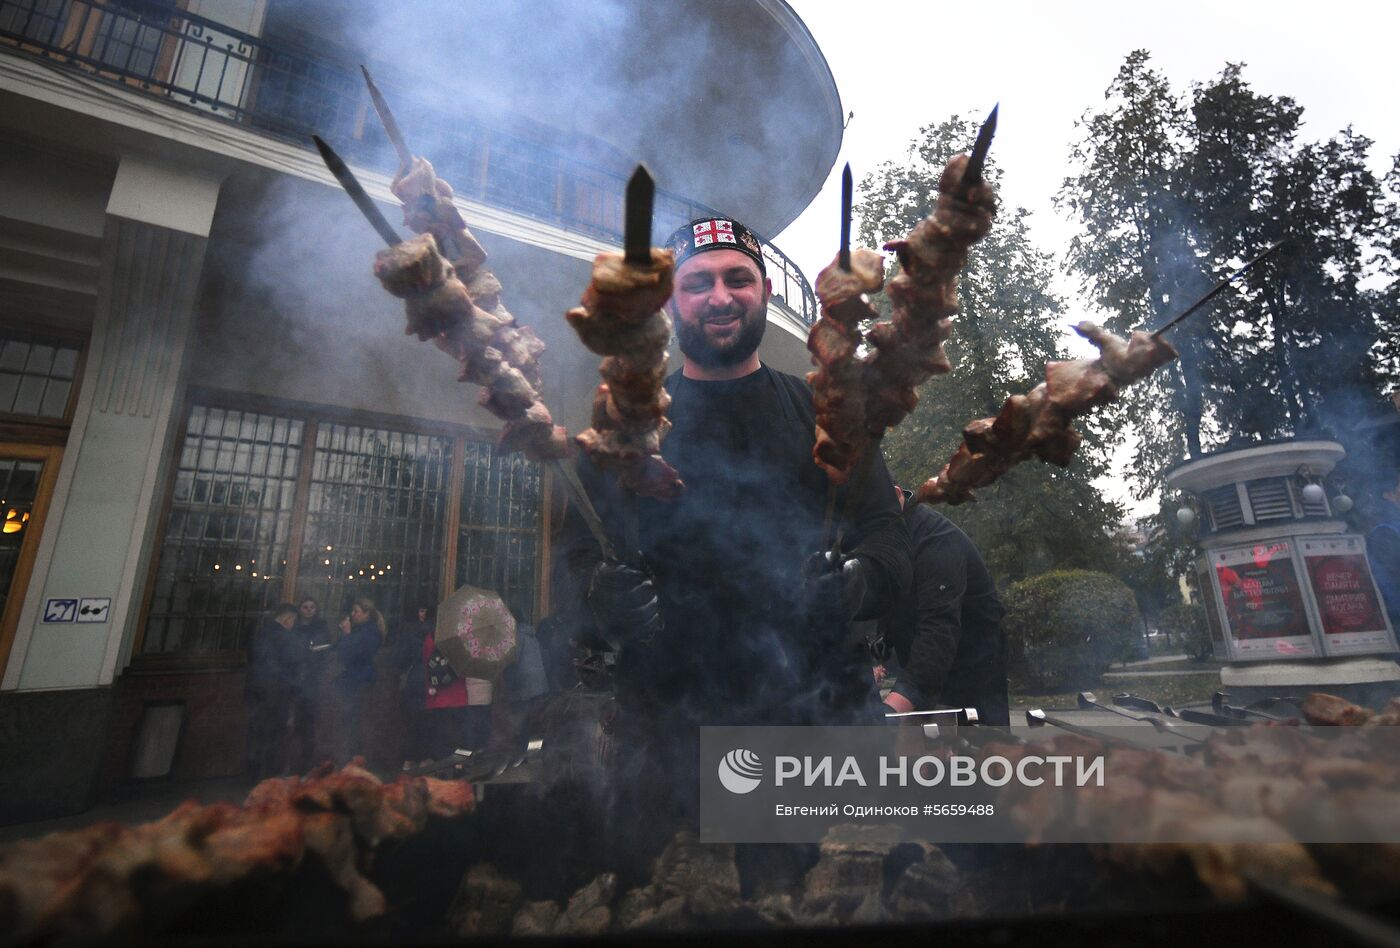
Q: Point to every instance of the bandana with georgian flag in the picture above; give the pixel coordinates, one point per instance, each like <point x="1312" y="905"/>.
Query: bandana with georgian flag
<point x="715" y="233"/>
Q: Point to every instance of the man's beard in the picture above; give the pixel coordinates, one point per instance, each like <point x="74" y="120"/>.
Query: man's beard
<point x="698" y="347"/>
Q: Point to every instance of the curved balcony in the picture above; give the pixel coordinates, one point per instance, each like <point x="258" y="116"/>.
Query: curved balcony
<point x="197" y="63"/>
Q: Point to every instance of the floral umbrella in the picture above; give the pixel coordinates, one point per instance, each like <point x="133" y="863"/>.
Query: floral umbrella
<point x="476" y="633"/>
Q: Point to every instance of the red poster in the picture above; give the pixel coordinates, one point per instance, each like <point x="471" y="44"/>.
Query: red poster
<point x="1346" y="599"/>
<point x="1262" y="596"/>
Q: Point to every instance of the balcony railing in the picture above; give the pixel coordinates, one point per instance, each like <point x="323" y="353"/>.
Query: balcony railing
<point x="154" y="47"/>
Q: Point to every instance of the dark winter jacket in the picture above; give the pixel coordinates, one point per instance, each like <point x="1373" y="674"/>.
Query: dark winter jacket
<point x="271" y="663"/>
<point x="357" y="650"/>
<point x="947" y="632"/>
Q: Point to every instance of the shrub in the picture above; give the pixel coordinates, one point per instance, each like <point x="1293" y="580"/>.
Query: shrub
<point x="1064" y="628"/>
<point x="1185" y="623"/>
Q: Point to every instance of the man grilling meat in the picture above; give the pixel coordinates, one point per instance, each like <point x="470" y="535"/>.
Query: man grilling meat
<point x="947" y="631"/>
<point x="714" y="622"/>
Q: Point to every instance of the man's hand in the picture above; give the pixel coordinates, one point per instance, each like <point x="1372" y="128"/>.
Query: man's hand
<point x="835" y="584"/>
<point x="623" y="601"/>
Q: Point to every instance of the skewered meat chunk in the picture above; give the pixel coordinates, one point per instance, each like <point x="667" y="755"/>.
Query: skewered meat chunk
<point x="1126" y="361"/>
<point x="908" y="350"/>
<point x="1327" y="709"/>
<point x="838" y="392"/>
<point x="622" y="319"/>
<point x="1251" y="805"/>
<point x="108" y="878"/>
<point x="454" y="300"/>
<point x="428" y="209"/>
<point x="1037" y="424"/>
<point x="860" y="393"/>
<point x="493" y="352"/>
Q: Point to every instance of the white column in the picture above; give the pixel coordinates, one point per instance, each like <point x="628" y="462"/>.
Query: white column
<point x="99" y="533"/>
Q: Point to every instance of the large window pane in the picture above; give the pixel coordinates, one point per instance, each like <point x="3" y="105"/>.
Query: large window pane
<point x="374" y="520"/>
<point x="498" y="544"/>
<point x="224" y="552"/>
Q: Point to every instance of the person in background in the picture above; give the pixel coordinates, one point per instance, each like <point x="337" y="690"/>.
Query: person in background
<point x="408" y="658"/>
<point x="313" y="638"/>
<point x="523" y="681"/>
<point x="364" y="631"/>
<point x="452" y="721"/>
<point x="268" y="691"/>
<point x="947" y="632"/>
<point x="1383" y="550"/>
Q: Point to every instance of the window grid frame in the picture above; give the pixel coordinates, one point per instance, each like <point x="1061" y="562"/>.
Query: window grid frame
<point x="462" y="443"/>
<point x="59" y="341"/>
<point x="191" y="516"/>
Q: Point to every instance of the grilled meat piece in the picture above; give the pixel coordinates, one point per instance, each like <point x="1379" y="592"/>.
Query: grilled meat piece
<point x="908" y="350"/>
<point x="428" y="209"/>
<point x="1326" y="710"/>
<point x="107" y="879"/>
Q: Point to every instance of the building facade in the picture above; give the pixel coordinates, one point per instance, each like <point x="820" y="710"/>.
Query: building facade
<point x="206" y="403"/>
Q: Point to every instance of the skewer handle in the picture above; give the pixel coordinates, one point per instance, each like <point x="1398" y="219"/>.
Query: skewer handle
<point x="352" y="187"/>
<point x="579" y="497"/>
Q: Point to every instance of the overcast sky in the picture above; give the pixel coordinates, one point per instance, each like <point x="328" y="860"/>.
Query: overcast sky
<point x="902" y="64"/>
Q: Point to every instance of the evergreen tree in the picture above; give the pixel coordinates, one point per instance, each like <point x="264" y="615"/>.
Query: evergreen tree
<point x="1173" y="197"/>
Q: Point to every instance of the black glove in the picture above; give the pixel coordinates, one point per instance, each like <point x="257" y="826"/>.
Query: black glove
<point x="835" y="585"/>
<point x="623" y="601"/>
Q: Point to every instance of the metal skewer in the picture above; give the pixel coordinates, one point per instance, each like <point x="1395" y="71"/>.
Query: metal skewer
<point x="972" y="176"/>
<point x="1220" y="705"/>
<point x="1088" y="700"/>
<point x="367" y="207"/>
<point x="1036" y="717"/>
<point x="352" y="187"/>
<point x="636" y="234"/>
<point x="636" y="245"/>
<point x="391" y="127"/>
<point x="977" y="158"/>
<point x="1219" y="288"/>
<point x="579" y="496"/>
<point x="844" y="258"/>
